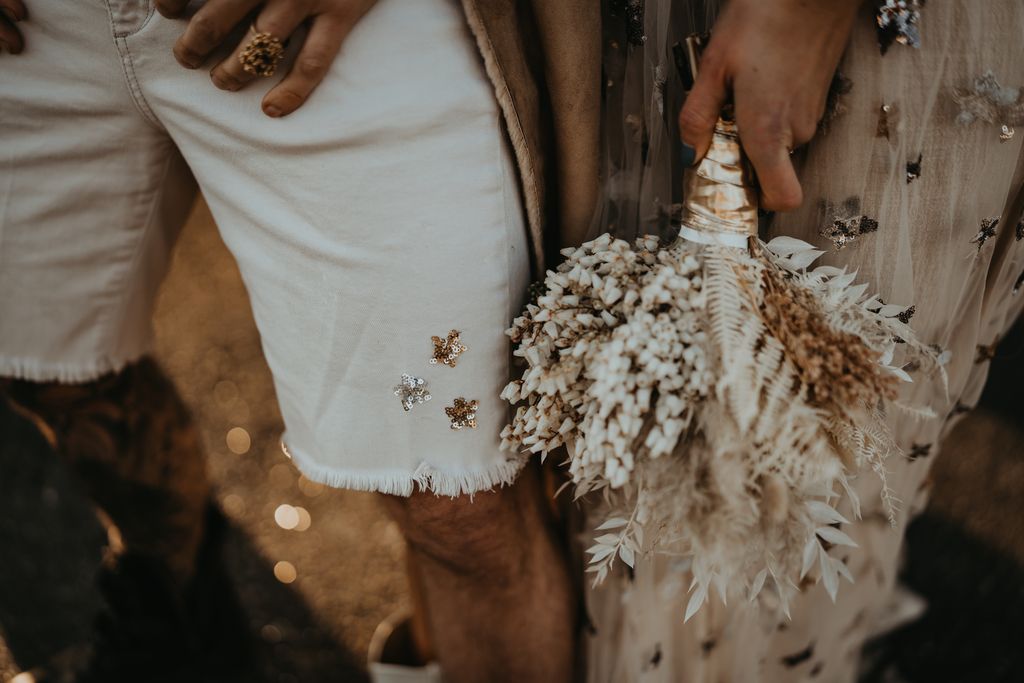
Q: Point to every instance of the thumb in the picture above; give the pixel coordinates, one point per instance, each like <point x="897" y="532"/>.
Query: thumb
<point x="700" y="112"/>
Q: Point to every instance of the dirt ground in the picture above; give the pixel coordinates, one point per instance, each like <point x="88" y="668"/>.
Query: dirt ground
<point x="966" y="555"/>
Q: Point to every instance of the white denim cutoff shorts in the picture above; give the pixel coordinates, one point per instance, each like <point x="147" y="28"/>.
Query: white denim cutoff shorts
<point x="381" y="214"/>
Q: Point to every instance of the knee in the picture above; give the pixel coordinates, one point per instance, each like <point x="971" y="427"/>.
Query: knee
<point x="482" y="534"/>
<point x="103" y="419"/>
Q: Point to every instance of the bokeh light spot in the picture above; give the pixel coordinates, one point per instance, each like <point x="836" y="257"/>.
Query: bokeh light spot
<point x="311" y="488"/>
<point x="234" y="505"/>
<point x="286" y="516"/>
<point x="225" y="392"/>
<point x="285" y="572"/>
<point x="305" y="519"/>
<point x="239" y="441"/>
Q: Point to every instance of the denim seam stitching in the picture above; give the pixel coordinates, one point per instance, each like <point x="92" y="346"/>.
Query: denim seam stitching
<point x="511" y="298"/>
<point x="134" y="88"/>
<point x="119" y="301"/>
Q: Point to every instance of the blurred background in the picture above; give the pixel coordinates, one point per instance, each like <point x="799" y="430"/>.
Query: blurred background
<point x="309" y="572"/>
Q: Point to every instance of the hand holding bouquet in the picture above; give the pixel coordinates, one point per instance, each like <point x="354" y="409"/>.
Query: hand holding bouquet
<point x="718" y="393"/>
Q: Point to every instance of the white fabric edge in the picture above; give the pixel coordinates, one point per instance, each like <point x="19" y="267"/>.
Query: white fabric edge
<point x="394" y="673"/>
<point x="403" y="483"/>
<point x="35" y="370"/>
<point x="723" y="239"/>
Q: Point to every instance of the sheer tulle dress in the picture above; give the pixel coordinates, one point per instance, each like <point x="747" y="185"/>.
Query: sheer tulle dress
<point x="916" y="180"/>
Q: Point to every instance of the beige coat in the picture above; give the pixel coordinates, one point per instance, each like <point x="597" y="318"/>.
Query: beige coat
<point x="544" y="59"/>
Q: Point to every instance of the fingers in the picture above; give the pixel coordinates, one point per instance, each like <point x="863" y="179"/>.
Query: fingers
<point x="171" y="8"/>
<point x="767" y="141"/>
<point x="208" y="28"/>
<point x="12" y="12"/>
<point x="14" y="9"/>
<point x="703" y="105"/>
<point x="10" y="37"/>
<point x="311" y="65"/>
<point x="279" y="19"/>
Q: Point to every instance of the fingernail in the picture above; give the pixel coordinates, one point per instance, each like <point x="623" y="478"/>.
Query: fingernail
<point x="229" y="84"/>
<point x="687" y="155"/>
<point x="188" y="60"/>
<point x="272" y="111"/>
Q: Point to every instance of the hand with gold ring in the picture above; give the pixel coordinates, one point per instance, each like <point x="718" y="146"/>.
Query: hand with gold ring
<point x="261" y="48"/>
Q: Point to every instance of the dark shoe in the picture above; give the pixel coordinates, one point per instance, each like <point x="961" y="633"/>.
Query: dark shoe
<point x="154" y="632"/>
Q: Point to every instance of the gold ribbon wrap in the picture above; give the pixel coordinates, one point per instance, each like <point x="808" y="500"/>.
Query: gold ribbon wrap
<point x="719" y="196"/>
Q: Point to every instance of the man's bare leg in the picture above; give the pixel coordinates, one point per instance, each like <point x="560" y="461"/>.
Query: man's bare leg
<point x="130" y="439"/>
<point x="498" y="595"/>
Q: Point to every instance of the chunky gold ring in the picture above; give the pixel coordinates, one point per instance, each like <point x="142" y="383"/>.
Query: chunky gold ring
<point x="261" y="54"/>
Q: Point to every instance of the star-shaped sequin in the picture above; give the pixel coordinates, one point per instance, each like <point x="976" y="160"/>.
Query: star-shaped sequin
<point x="985" y="353"/>
<point x="986" y="230"/>
<point x="989" y="101"/>
<point x="897" y="22"/>
<point x="919" y="450"/>
<point x="462" y="413"/>
<point x="907" y="314"/>
<point x="412" y="391"/>
<point x="835" y="105"/>
<point x="846" y="230"/>
<point x="448" y="349"/>
<point x="888" y="120"/>
<point x="914" y="169"/>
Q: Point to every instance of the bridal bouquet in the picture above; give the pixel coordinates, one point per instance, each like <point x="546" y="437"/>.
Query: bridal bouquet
<point x="719" y="392"/>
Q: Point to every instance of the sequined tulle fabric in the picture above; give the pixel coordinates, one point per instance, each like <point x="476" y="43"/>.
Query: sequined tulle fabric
<point x="916" y="182"/>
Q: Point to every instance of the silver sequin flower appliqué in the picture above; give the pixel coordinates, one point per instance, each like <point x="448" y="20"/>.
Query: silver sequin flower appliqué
<point x="990" y="102"/>
<point x="845" y="222"/>
<point x="897" y="22"/>
<point x="846" y="230"/>
<point x="412" y="391"/>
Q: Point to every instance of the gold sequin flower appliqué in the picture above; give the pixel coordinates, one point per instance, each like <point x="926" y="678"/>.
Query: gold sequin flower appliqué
<point x="412" y="391"/>
<point x="448" y="349"/>
<point x="463" y="413"/>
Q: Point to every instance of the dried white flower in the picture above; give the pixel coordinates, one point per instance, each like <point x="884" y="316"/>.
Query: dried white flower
<point x="660" y="372"/>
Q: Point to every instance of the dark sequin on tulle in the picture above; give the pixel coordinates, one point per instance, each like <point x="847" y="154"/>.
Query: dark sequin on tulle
<point x="919" y="450"/>
<point x="835" y="103"/>
<point x="654" y="660"/>
<point x="632" y="12"/>
<point x="985" y="352"/>
<point x="960" y="409"/>
<point x="986" y="231"/>
<point x="914" y="169"/>
<point x="897" y="23"/>
<point x="845" y="222"/>
<point x="888" y="117"/>
<point x="799" y="657"/>
<point x="843" y="231"/>
<point x="990" y="102"/>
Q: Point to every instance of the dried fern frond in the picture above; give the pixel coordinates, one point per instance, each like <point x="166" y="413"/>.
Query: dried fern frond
<point x="718" y="400"/>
